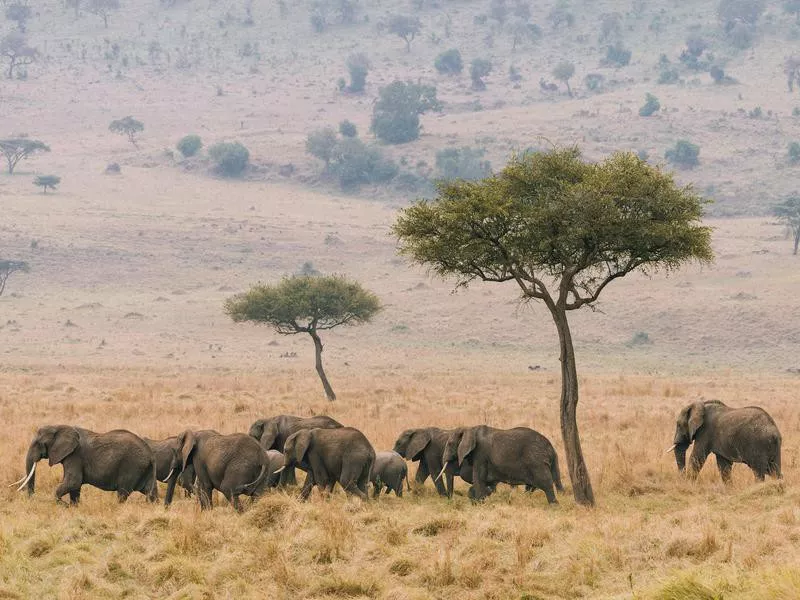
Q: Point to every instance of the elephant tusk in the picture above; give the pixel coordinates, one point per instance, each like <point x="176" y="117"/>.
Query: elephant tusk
<point x="278" y="470"/>
<point x="28" y="478"/>
<point x="439" y="476"/>
<point x="670" y="449"/>
<point x="17" y="482"/>
<point x="171" y="471"/>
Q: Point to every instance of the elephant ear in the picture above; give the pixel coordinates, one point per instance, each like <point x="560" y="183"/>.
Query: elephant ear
<point x="418" y="442"/>
<point x="65" y="442"/>
<point x="467" y="444"/>
<point x="697" y="413"/>
<point x="302" y="440"/>
<point x="268" y="435"/>
<point x="189" y="441"/>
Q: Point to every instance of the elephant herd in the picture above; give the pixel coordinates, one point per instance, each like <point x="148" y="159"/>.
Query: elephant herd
<point x="201" y="461"/>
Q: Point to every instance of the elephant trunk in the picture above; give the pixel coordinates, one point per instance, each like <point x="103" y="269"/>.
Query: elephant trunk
<point x="680" y="456"/>
<point x="31" y="459"/>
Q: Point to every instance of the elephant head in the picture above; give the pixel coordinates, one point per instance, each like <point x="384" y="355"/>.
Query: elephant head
<point x="412" y="442"/>
<point x="690" y="420"/>
<point x="296" y="447"/>
<point x="265" y="431"/>
<point x="52" y="442"/>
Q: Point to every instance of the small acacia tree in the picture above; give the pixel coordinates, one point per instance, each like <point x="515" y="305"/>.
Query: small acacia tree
<point x="562" y="229"/>
<point x="127" y="126"/>
<point x="103" y="9"/>
<point x="405" y="27"/>
<point x="8" y="268"/>
<point x="395" y="116"/>
<point x="788" y="213"/>
<point x="17" y="149"/>
<point x="306" y="304"/>
<point x="564" y="71"/>
<point x="14" y="47"/>
<point x="47" y="181"/>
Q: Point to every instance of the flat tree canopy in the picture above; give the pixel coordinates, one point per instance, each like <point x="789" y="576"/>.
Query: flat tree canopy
<point x="7" y="268"/>
<point x="17" y="149"/>
<point x="306" y="304"/>
<point x="127" y="126"/>
<point x="562" y="229"/>
<point x="788" y="213"/>
<point x="47" y="181"/>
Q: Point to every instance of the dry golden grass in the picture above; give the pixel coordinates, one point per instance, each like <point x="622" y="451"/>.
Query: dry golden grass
<point x="652" y="535"/>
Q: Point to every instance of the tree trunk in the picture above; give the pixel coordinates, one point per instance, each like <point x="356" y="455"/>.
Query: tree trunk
<point x="578" y="473"/>
<point x="796" y="240"/>
<point x="569" y="89"/>
<point x="320" y="371"/>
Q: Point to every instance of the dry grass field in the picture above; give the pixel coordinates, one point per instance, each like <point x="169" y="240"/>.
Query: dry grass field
<point x="120" y="322"/>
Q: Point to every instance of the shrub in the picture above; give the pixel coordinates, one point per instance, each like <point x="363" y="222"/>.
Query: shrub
<point x="594" y="81"/>
<point x="695" y="45"/>
<point x="449" y="62"/>
<point x="358" y="65"/>
<point x="667" y="76"/>
<point x="354" y="163"/>
<point x="47" y="181"/>
<point x="560" y="16"/>
<point x="231" y="158"/>
<point x="651" y="106"/>
<point x="348" y="129"/>
<point x="618" y="55"/>
<point x="320" y="144"/>
<point x="610" y="27"/>
<point x="741" y="35"/>
<point x="755" y="113"/>
<point x="563" y="71"/>
<point x="740" y="11"/>
<point x="189" y="145"/>
<point x="793" y="153"/>
<point x="478" y="69"/>
<point x="462" y="163"/>
<point x="684" y="154"/>
<point x="717" y="74"/>
<point x="395" y="117"/>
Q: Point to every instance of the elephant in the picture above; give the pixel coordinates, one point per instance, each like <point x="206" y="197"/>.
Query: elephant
<point x="746" y="435"/>
<point x="234" y="464"/>
<point x="518" y="456"/>
<point x="116" y="461"/>
<point x="426" y="445"/>
<point x="343" y="454"/>
<point x="389" y="470"/>
<point x="272" y="433"/>
<point x="168" y="466"/>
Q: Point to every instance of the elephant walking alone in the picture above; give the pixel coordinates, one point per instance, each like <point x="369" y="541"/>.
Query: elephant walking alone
<point x="744" y="435"/>
<point x="117" y="461"/>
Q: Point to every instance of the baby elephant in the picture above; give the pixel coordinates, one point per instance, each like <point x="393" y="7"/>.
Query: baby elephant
<point x="389" y="470"/>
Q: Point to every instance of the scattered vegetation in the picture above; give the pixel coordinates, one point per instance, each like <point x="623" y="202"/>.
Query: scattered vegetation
<point x="189" y="145"/>
<point x="478" y="69"/>
<point x="354" y="163"/>
<point x="617" y="55"/>
<point x="395" y="117"/>
<point x="16" y="149"/>
<point x="684" y="154"/>
<point x="230" y="158"/>
<point x="47" y="181"/>
<point x="793" y="153"/>
<point x="462" y="163"/>
<point x="788" y="213"/>
<point x="127" y="126"/>
<point x="449" y="62"/>
<point x="651" y="106"/>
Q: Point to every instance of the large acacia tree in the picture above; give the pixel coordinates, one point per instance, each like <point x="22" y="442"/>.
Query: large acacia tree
<point x="561" y="229"/>
<point x="306" y="304"/>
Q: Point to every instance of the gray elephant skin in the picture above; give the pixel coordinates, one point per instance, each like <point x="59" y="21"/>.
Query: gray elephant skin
<point x="426" y="445"/>
<point x="116" y="461"/>
<point x="167" y="453"/>
<point x="273" y="432"/>
<point x="518" y="456"/>
<point x="343" y="454"/>
<point x="744" y="435"/>
<point x="389" y="471"/>
<point x="233" y="464"/>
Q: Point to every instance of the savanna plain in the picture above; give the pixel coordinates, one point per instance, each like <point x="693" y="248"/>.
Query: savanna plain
<point x="119" y="322"/>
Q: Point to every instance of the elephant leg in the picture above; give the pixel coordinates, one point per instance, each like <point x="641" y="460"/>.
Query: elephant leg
<point x="308" y="486"/>
<point x="122" y="495"/>
<point x="724" y="466"/>
<point x="288" y="477"/>
<point x="74" y="496"/>
<point x="204" y="495"/>
<point x="697" y="459"/>
<point x="398" y="488"/>
<point x="480" y="472"/>
<point x="351" y="480"/>
<point x="439" y="484"/>
<point x="422" y="472"/>
<point x="70" y="484"/>
<point x="376" y="490"/>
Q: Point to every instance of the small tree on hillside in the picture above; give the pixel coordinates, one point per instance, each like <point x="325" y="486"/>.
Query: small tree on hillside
<point x="406" y="27"/>
<point x="15" y="49"/>
<point x="8" y="268"/>
<point x="306" y="304"/>
<point x="189" y="145"/>
<point x="17" y="149"/>
<point x="128" y="127"/>
<point x="102" y="8"/>
<point x="320" y="144"/>
<point x="449" y="62"/>
<point x="395" y="117"/>
<point x="731" y="12"/>
<point x="230" y="158"/>
<point x="788" y="213"/>
<point x="358" y="66"/>
<point x="564" y="71"/>
<point x="47" y="181"/>
<point x="562" y="229"/>
<point x="19" y="13"/>
<point x="478" y="69"/>
<point x="684" y="154"/>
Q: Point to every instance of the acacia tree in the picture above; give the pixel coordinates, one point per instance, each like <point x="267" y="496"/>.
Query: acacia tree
<point x="564" y="71"/>
<point x="405" y="27"/>
<point x="788" y="213"/>
<point x="306" y="304"/>
<point x="562" y="229"/>
<point x="127" y="126"/>
<point x="7" y="268"/>
<point x="15" y="48"/>
<point x="17" y="149"/>
<point x="102" y="8"/>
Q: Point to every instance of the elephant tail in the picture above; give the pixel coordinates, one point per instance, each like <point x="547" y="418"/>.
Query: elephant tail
<point x="250" y="488"/>
<point x="556" y="473"/>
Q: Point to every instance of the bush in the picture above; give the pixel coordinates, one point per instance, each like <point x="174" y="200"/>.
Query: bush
<point x="395" y="117"/>
<point x="189" y="145"/>
<point x="449" y="62"/>
<point x="354" y="163"/>
<point x="741" y="35"/>
<point x="462" y="163"/>
<point x="793" y="153"/>
<point x="731" y="12"/>
<point x="717" y="74"/>
<point x="478" y="69"/>
<point x="667" y="76"/>
<point x="594" y="82"/>
<point x="617" y="54"/>
<point x="684" y="154"/>
<point x="320" y="144"/>
<point x="651" y="106"/>
<point x="231" y="158"/>
<point x="348" y="129"/>
<point x="358" y="65"/>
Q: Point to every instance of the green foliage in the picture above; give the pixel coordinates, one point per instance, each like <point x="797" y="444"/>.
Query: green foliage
<point x="348" y="129"/>
<point x="395" y="116"/>
<point x="684" y="154"/>
<point x="668" y="75"/>
<point x="617" y="55"/>
<point x="717" y="74"/>
<point x="793" y="153"/>
<point x="47" y="181"/>
<point x="788" y="213"/>
<point x="20" y="148"/>
<point x="449" y="62"/>
<point x="354" y="163"/>
<point x="478" y="69"/>
<point x="358" y="66"/>
<point x="740" y="11"/>
<point x="189" y="145"/>
<point x="19" y="13"/>
<point x="594" y="82"/>
<point x="320" y="144"/>
<point x="651" y="106"/>
<point x="560" y="16"/>
<point x="303" y="303"/>
<point x="127" y="126"/>
<point x="406" y="27"/>
<point x="462" y="163"/>
<point x="231" y="158"/>
<point x="563" y="71"/>
<point x="8" y="268"/>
